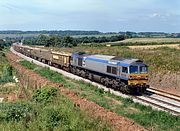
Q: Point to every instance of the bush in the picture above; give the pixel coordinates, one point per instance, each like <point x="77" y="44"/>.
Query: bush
<point x="45" y="94"/>
<point x="52" y="118"/>
<point x="6" y="73"/>
<point x="14" y="111"/>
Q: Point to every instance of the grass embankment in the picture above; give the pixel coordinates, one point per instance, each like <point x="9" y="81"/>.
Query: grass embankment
<point x="143" y="115"/>
<point x="47" y="110"/>
<point x="6" y="70"/>
<point x="6" y="75"/>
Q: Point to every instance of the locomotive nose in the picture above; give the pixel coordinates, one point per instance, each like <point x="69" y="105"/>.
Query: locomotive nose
<point x="138" y="79"/>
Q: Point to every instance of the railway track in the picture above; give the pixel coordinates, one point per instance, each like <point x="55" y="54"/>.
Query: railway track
<point x="161" y="99"/>
<point x="156" y="98"/>
<point x="165" y="94"/>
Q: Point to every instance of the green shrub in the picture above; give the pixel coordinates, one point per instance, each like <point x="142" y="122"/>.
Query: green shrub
<point x="45" y="94"/>
<point x="52" y="118"/>
<point x="14" y="111"/>
<point x="7" y="73"/>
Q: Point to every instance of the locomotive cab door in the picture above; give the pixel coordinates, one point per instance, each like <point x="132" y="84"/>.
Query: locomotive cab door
<point x="80" y="61"/>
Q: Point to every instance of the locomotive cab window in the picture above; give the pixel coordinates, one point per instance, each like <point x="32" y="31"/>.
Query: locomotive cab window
<point x="108" y="69"/>
<point x="134" y="69"/>
<point x="114" y="70"/>
<point x="124" y="69"/>
<point x="143" y="69"/>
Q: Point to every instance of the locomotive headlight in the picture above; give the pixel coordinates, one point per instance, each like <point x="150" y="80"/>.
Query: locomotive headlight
<point x="130" y="76"/>
<point x="146" y="77"/>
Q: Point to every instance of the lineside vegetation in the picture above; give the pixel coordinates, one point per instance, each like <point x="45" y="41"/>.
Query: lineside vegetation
<point x="143" y="115"/>
<point x="47" y="110"/>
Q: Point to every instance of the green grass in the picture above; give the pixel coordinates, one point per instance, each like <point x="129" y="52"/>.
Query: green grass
<point x="143" y="115"/>
<point x="28" y="65"/>
<point x="6" y="70"/>
<point x="58" y="113"/>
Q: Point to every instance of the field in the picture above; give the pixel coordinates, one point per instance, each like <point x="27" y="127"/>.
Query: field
<point x="176" y="46"/>
<point x="140" y="42"/>
<point x="152" y="40"/>
<point x="3" y="36"/>
<point x="100" y="35"/>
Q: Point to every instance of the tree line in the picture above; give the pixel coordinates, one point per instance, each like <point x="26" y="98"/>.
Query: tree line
<point x="4" y="44"/>
<point x="68" y="41"/>
<point x="53" y="32"/>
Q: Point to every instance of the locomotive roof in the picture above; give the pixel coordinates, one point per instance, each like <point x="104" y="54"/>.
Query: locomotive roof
<point x="102" y="57"/>
<point x="115" y="59"/>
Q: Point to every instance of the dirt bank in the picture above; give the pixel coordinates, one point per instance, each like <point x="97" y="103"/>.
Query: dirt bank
<point x="165" y="80"/>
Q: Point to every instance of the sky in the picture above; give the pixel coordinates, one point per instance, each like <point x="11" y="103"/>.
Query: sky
<point x="101" y="15"/>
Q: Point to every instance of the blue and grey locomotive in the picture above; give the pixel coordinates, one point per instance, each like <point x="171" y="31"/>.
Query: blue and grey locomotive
<point x="127" y="75"/>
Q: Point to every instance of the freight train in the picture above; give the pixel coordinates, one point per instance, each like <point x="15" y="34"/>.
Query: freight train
<point x="125" y="75"/>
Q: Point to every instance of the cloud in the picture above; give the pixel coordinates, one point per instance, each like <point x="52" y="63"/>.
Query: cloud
<point x="155" y="15"/>
<point x="161" y="16"/>
<point x="122" y="20"/>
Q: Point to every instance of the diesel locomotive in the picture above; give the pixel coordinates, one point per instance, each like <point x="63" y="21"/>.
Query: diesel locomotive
<point x="125" y="75"/>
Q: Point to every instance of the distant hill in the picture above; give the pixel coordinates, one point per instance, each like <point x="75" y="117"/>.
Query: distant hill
<point x="19" y="35"/>
<point x="54" y="32"/>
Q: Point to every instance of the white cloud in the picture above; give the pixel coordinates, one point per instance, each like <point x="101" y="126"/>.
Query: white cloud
<point x="121" y="20"/>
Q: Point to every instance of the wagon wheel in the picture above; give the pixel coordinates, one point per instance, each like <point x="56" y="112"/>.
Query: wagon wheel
<point x="106" y="82"/>
<point x="114" y="84"/>
<point x="102" y="80"/>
